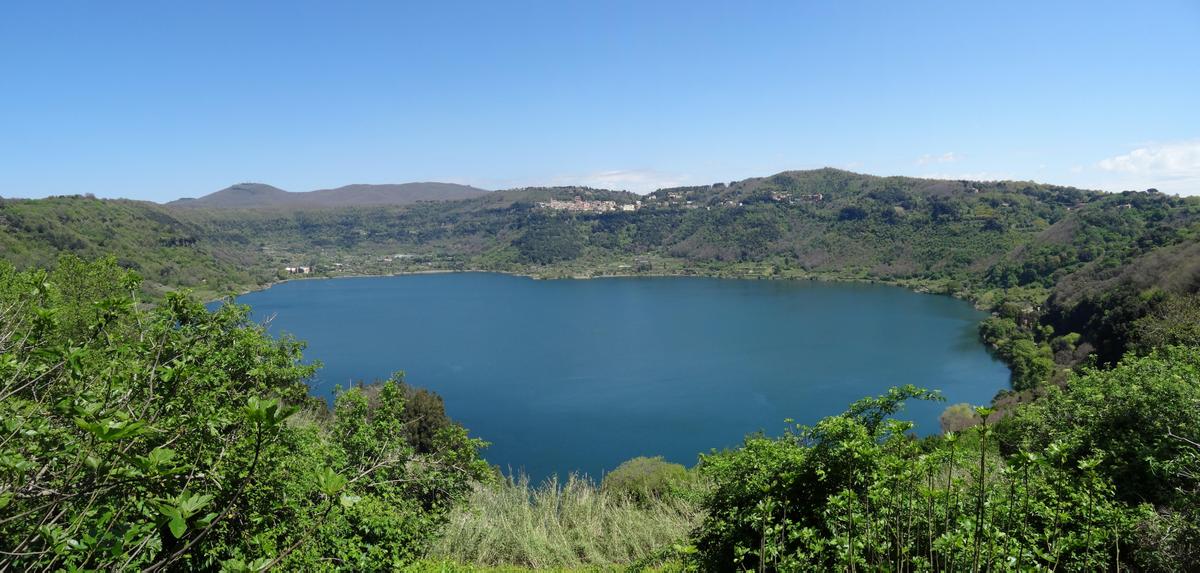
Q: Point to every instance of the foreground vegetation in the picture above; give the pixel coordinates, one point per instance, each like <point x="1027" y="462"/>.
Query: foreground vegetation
<point x="1104" y="475"/>
<point x="1097" y="477"/>
<point x="179" y="438"/>
<point x="573" y="524"/>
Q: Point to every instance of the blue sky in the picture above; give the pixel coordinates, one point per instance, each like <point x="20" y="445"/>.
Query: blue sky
<point x="159" y="100"/>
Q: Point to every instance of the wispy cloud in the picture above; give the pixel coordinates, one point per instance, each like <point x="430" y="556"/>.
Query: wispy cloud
<point x="948" y="157"/>
<point x="636" y="180"/>
<point x="969" y="176"/>
<point x="1173" y="167"/>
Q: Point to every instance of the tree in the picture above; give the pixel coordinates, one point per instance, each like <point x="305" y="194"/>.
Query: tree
<point x="1174" y="321"/>
<point x="1031" y="363"/>
<point x="958" y="417"/>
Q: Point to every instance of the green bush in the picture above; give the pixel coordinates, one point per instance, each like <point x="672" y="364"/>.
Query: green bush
<point x="856" y="492"/>
<point x="642" y="478"/>
<point x="1127" y="414"/>
<point x="178" y="438"/>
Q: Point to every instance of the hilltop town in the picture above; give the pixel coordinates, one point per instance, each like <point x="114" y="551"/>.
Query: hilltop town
<point x="590" y="206"/>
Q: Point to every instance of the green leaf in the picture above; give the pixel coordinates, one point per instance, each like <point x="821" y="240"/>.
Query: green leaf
<point x="347" y="501"/>
<point x="111" y="430"/>
<point x="190" y="504"/>
<point x="268" y="411"/>
<point x="157" y="460"/>
<point x="178" y="526"/>
<point x="329" y="482"/>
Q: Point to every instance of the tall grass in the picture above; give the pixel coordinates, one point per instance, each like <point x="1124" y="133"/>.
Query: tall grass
<point x="570" y="524"/>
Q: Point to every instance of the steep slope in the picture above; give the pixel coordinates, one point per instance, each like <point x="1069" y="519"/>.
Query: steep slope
<point x="166" y="251"/>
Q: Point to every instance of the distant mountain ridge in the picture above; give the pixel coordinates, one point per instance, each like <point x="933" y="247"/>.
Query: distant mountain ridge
<point x="263" y="196"/>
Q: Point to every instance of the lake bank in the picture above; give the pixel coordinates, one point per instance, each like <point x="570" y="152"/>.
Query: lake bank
<point x="923" y="286"/>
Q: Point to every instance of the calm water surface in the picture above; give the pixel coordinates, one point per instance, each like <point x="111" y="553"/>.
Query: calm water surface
<point x="572" y="375"/>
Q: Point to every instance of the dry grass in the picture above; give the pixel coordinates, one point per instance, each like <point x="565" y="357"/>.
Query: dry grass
<point x="571" y="525"/>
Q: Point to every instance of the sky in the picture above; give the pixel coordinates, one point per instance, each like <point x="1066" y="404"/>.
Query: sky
<point x="161" y="100"/>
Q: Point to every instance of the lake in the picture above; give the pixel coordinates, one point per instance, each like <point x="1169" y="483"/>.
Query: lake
<point x="580" y="375"/>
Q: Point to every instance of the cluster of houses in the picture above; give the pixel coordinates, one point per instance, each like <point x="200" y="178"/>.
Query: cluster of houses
<point x="674" y="199"/>
<point x="779" y="197"/>
<point x="297" y="270"/>
<point x="671" y="199"/>
<point x="589" y="206"/>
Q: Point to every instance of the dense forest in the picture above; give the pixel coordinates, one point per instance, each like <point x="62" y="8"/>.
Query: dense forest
<point x="143" y="431"/>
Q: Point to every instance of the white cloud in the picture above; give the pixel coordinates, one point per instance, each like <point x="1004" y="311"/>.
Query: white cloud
<point x="636" y="180"/>
<point x="948" y="157"/>
<point x="1172" y="167"/>
<point x="972" y="176"/>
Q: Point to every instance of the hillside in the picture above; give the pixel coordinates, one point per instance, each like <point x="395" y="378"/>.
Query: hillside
<point x="823" y="221"/>
<point x="144" y="237"/>
<point x="261" y="196"/>
<point x="1058" y="254"/>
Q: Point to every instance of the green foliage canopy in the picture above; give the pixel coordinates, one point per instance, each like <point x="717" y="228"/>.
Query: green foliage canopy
<point x="182" y="438"/>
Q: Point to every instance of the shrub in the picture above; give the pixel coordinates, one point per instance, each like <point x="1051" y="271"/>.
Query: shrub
<point x="178" y="438"/>
<point x="856" y="492"/>
<point x="959" y="417"/>
<point x="642" y="478"/>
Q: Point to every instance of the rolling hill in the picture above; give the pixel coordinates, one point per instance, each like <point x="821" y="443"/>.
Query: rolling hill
<point x="262" y="196"/>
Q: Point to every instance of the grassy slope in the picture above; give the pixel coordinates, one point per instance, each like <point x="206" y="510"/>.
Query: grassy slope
<point x="556" y="525"/>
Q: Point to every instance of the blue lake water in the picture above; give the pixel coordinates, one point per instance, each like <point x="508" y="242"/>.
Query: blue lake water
<point x="580" y="375"/>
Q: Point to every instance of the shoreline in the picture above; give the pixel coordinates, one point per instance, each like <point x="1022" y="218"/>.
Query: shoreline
<point x="536" y="277"/>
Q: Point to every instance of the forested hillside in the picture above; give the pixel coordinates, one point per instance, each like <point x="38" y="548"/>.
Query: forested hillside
<point x="167" y="252"/>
